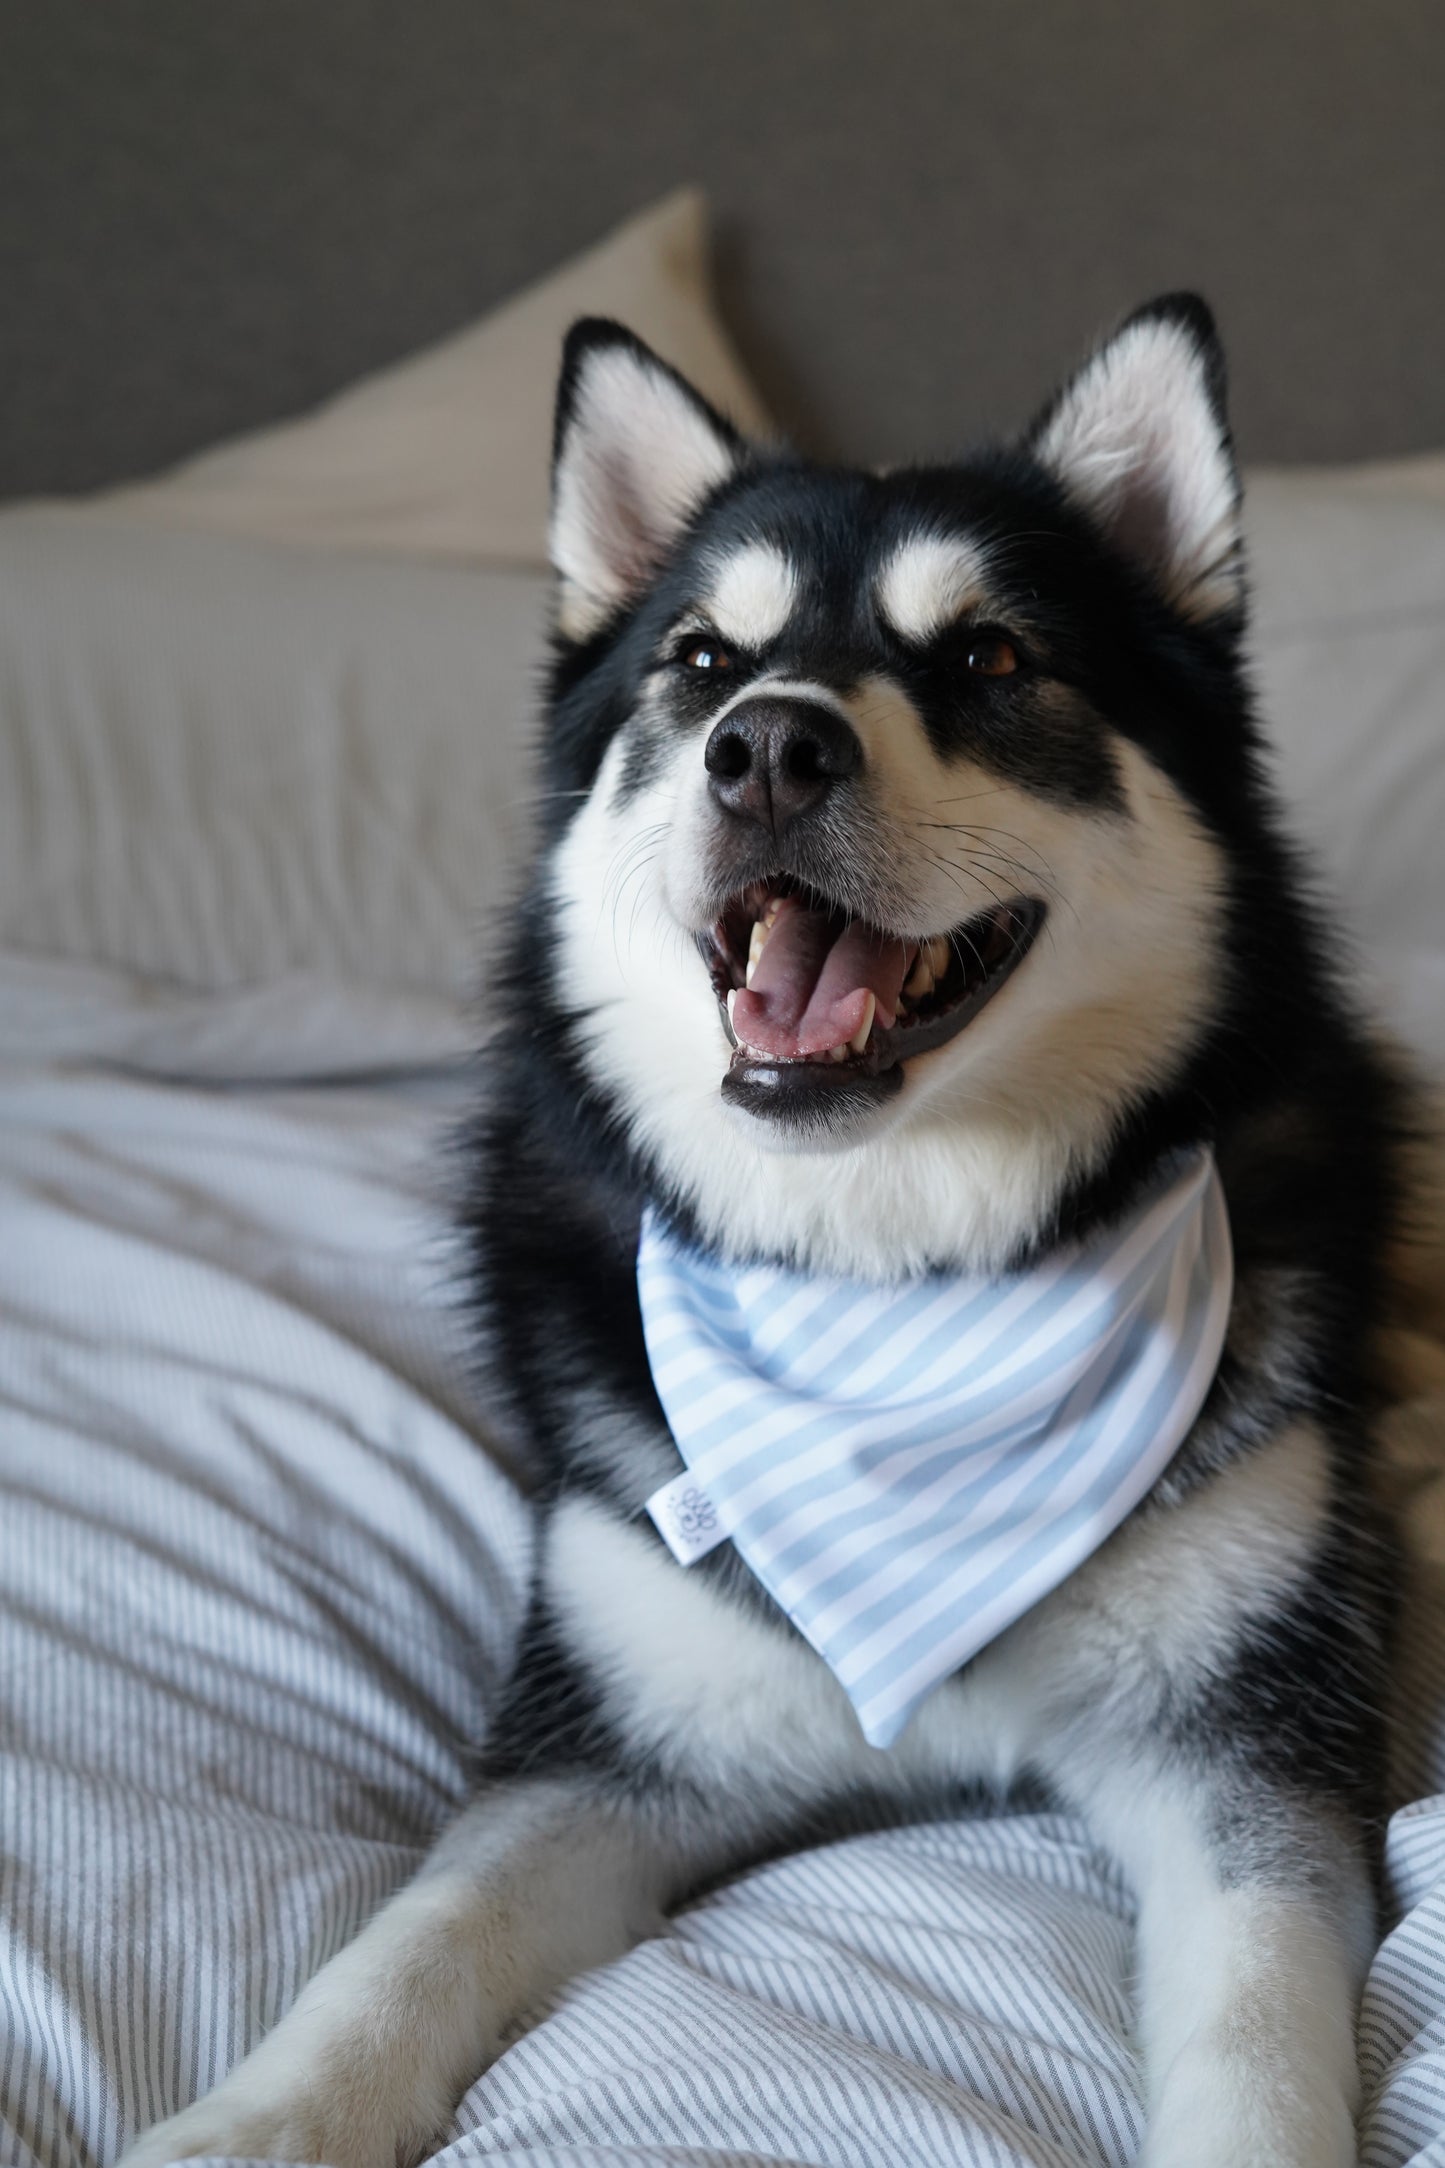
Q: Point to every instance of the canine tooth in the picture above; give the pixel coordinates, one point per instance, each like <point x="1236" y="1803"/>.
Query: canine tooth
<point x="757" y="943"/>
<point x="775" y="904"/>
<point x="860" y="1037"/>
<point x="938" y="954"/>
<point x="732" y="999"/>
<point x="920" y="979"/>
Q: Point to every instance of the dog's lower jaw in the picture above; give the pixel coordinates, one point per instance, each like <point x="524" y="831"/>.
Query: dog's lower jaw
<point x="808" y="1113"/>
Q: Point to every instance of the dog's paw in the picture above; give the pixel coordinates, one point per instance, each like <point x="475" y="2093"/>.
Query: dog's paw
<point x="299" y="2122"/>
<point x="1208" y="2118"/>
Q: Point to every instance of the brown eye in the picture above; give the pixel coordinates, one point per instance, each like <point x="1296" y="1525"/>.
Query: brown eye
<point x="993" y="658"/>
<point x="707" y="655"/>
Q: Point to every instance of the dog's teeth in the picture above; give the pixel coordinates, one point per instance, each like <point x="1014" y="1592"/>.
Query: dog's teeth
<point x="860" y="1037"/>
<point x="756" y="945"/>
<point x="920" y="979"/>
<point x="938" y="954"/>
<point x="774" y="905"/>
<point x="732" y="1002"/>
<point x="837" y="1053"/>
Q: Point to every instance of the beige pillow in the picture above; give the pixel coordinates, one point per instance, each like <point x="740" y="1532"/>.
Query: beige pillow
<point x="447" y="454"/>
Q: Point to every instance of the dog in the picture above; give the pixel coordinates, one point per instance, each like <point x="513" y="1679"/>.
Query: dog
<point x="912" y="911"/>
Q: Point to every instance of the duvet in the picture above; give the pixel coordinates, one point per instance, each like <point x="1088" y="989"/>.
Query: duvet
<point x="261" y="1560"/>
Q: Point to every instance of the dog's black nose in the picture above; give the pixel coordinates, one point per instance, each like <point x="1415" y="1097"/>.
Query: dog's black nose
<point x="771" y="759"/>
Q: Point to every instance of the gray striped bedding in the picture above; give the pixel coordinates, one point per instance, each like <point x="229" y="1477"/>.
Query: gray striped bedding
<point x="257" y="1585"/>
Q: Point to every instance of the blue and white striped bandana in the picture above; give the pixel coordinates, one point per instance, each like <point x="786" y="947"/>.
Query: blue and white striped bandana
<point x="908" y="1469"/>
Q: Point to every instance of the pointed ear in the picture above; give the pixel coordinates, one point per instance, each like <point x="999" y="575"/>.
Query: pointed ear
<point x="636" y="451"/>
<point x="1139" y="439"/>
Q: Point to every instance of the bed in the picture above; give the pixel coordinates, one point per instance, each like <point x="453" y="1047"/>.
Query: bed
<point x="263" y="788"/>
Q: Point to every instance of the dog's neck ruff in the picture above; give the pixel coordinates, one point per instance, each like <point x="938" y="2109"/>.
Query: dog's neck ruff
<point x="908" y="1469"/>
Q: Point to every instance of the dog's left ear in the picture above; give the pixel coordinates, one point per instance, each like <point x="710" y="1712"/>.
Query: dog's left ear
<point x="1140" y="441"/>
<point x="636" y="453"/>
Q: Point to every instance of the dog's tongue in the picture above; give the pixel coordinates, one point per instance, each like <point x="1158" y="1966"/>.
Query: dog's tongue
<point x="810" y="989"/>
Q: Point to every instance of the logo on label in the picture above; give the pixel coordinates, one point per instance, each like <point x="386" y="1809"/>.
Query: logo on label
<point x="694" y="1513"/>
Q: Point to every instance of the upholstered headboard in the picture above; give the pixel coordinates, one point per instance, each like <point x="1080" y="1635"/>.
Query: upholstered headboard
<point x="212" y="214"/>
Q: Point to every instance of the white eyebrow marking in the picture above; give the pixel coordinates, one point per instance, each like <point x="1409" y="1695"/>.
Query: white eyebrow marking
<point x="753" y="596"/>
<point x="928" y="582"/>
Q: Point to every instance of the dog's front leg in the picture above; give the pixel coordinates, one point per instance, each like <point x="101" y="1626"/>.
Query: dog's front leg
<point x="1255" y="1926"/>
<point x="535" y="1882"/>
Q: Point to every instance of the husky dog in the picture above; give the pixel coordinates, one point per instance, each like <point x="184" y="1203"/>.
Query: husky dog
<point x="911" y="892"/>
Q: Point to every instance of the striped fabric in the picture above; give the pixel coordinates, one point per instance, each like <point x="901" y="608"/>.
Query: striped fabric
<point x="908" y="1469"/>
<point x="257" y="1588"/>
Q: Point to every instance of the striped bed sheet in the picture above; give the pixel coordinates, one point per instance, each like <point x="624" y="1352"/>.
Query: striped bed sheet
<point x="257" y="1588"/>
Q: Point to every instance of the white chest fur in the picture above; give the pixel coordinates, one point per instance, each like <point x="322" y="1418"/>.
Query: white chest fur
<point x="716" y="1691"/>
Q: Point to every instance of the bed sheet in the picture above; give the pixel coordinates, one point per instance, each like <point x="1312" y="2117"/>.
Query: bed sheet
<point x="260" y="1566"/>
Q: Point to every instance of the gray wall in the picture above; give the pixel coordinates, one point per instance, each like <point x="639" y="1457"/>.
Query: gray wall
<point x="212" y="212"/>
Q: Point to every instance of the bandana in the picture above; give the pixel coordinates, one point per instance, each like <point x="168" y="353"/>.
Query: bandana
<point x="908" y="1469"/>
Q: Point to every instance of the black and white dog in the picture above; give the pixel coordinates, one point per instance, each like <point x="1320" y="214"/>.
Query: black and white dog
<point x="976" y="742"/>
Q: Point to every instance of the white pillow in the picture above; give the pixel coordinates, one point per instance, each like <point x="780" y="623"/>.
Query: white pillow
<point x="1349" y="653"/>
<point x="447" y="454"/>
<point x="224" y="762"/>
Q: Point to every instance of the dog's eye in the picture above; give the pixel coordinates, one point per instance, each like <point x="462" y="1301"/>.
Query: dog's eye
<point x="990" y="656"/>
<point x="706" y="655"/>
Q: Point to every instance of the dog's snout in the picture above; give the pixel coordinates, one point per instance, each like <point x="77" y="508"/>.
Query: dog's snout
<point x="770" y="760"/>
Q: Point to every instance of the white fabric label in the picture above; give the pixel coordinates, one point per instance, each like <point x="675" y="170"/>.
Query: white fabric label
<point x="687" y="1520"/>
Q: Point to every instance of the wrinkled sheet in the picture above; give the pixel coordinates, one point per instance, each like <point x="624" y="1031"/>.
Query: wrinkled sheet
<point x="260" y="1567"/>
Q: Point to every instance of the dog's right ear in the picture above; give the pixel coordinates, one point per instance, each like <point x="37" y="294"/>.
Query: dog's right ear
<point x="635" y="454"/>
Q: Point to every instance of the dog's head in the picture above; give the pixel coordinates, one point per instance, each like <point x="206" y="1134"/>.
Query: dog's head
<point x="889" y="864"/>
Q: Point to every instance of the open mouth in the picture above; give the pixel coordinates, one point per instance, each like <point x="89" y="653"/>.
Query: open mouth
<point x="814" y="997"/>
